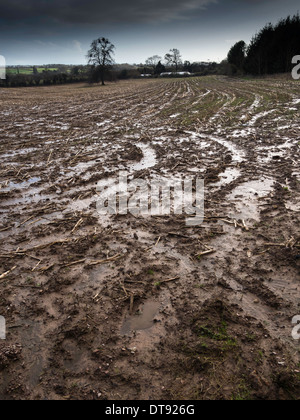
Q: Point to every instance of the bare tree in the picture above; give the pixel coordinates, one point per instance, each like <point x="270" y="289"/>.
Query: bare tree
<point x="153" y="61"/>
<point x="173" y="58"/>
<point x="100" y="56"/>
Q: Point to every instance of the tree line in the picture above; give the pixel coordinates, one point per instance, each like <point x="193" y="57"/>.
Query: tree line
<point x="101" y="67"/>
<point x="173" y="62"/>
<point x="47" y="77"/>
<point x="270" y="51"/>
<point x="101" y="60"/>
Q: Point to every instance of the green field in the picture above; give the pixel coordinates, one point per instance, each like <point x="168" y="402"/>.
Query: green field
<point x="28" y="70"/>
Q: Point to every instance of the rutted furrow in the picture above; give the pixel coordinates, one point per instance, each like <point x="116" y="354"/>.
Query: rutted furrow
<point x="221" y="292"/>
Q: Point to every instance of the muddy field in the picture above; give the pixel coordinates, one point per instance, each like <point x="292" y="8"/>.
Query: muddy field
<point x="126" y="307"/>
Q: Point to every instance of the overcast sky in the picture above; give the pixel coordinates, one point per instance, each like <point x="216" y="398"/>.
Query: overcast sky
<point x="60" y="31"/>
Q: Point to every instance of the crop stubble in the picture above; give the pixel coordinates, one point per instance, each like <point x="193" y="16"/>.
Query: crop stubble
<point x="215" y="301"/>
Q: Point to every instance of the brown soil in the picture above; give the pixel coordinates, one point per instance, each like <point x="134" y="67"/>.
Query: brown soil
<point x="125" y="307"/>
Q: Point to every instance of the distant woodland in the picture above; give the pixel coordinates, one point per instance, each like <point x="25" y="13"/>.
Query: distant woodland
<point x="270" y="51"/>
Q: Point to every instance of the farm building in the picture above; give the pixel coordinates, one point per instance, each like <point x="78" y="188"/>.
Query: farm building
<point x="179" y="73"/>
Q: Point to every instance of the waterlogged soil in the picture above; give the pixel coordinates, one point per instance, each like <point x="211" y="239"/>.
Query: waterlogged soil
<point x="131" y="307"/>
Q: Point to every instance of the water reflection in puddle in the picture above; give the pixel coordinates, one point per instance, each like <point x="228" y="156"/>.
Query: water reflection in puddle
<point x="21" y="185"/>
<point x="246" y="196"/>
<point x="230" y="175"/>
<point x="148" y="161"/>
<point x="143" y="321"/>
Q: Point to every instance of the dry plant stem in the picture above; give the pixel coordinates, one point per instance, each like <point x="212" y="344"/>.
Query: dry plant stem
<point x="170" y="280"/>
<point x="74" y="263"/>
<point x="92" y="263"/>
<point x="131" y="304"/>
<point x="27" y="220"/>
<point x="281" y="245"/>
<point x="36" y="266"/>
<point x="77" y="225"/>
<point x="210" y="251"/>
<point x="62" y="241"/>
<point x="49" y="158"/>
<point x="5" y="229"/>
<point x="7" y="273"/>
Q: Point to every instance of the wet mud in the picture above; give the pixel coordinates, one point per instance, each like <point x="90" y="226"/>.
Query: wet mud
<point x="127" y="307"/>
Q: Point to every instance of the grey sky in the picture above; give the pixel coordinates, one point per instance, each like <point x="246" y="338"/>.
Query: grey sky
<point x="60" y="31"/>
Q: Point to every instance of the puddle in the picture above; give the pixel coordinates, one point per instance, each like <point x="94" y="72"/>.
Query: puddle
<point x="104" y="123"/>
<point x="32" y="197"/>
<point x="31" y="335"/>
<point x="259" y="116"/>
<point x="242" y="133"/>
<point x="245" y="198"/>
<point x="110" y="187"/>
<point x="238" y="154"/>
<point x="19" y="152"/>
<point x="21" y="185"/>
<point x="255" y="103"/>
<point x="143" y="321"/>
<point x="201" y="97"/>
<point x="82" y="205"/>
<point x="230" y="175"/>
<point x="75" y="360"/>
<point x="293" y="206"/>
<point x="195" y="170"/>
<point x="148" y="161"/>
<point x="271" y="153"/>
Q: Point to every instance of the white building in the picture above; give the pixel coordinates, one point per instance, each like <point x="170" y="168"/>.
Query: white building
<point x="179" y="73"/>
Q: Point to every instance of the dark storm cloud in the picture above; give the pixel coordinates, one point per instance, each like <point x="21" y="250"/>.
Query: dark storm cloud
<point x="19" y="12"/>
<point x="43" y="31"/>
<point x="95" y="11"/>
